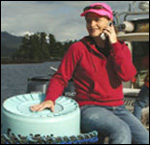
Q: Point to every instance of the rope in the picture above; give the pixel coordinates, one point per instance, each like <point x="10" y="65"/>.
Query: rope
<point x="87" y="138"/>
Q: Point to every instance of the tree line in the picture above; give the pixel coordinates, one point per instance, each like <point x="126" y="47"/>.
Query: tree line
<point x="41" y="47"/>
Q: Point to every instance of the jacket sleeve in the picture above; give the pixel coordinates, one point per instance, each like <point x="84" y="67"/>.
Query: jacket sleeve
<point x="122" y="59"/>
<point x="65" y="71"/>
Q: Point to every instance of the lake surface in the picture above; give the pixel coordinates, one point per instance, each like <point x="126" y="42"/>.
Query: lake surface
<point x="14" y="77"/>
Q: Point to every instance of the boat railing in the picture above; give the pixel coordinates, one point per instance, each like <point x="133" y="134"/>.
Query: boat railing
<point x="126" y="14"/>
<point x="143" y="10"/>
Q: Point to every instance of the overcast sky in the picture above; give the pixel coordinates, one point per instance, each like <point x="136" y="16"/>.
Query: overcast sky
<point x="61" y="18"/>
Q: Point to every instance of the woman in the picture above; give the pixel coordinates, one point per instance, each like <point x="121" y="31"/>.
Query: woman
<point x="98" y="68"/>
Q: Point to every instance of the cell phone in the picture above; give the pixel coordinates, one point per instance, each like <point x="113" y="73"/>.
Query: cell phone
<point x="103" y="36"/>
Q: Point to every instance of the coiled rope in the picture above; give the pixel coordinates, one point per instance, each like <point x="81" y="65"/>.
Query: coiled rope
<point x="87" y="138"/>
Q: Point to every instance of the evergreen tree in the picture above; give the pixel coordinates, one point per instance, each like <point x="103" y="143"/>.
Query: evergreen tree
<point x="37" y="47"/>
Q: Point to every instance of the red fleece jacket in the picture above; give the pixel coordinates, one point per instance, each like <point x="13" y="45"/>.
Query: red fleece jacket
<point x="98" y="79"/>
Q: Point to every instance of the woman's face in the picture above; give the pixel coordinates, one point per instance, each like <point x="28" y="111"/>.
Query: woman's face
<point x="95" y="24"/>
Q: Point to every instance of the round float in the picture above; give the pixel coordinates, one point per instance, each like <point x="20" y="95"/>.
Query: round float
<point x="17" y="118"/>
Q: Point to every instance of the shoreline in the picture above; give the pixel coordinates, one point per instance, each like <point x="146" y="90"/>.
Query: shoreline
<point x="27" y="61"/>
<point x="20" y="62"/>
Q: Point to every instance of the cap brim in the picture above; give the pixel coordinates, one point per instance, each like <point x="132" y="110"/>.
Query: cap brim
<point x="98" y="12"/>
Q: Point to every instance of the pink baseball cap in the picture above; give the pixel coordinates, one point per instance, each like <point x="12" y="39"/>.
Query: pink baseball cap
<point x="101" y="9"/>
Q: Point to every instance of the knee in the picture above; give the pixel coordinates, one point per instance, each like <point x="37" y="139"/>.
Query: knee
<point x="124" y="131"/>
<point x="122" y="135"/>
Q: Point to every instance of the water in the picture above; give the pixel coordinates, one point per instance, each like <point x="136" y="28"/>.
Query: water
<point x="14" y="77"/>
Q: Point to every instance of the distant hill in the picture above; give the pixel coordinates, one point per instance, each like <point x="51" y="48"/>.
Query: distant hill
<point x="9" y="44"/>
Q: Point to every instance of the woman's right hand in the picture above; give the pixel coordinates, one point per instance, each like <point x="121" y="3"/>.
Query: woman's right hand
<point x="44" y="105"/>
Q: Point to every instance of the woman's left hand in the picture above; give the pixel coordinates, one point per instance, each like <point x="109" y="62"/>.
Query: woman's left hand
<point x="111" y="33"/>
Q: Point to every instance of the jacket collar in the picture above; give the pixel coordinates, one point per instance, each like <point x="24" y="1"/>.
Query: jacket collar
<point x="91" y="46"/>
